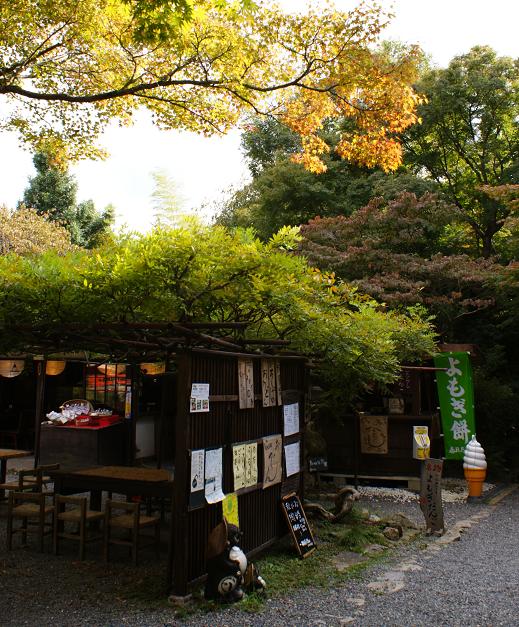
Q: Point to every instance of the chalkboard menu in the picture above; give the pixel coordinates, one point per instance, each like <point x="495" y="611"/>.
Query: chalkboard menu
<point x="298" y="524"/>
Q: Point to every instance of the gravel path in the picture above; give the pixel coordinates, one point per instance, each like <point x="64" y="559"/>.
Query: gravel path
<point x="473" y="582"/>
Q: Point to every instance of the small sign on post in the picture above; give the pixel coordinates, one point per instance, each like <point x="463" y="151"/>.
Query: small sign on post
<point x="298" y="524"/>
<point x="421" y="442"/>
<point x="431" y="495"/>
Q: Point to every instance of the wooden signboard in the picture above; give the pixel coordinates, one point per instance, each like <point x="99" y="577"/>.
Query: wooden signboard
<point x="373" y="435"/>
<point x="298" y="524"/>
<point x="431" y="495"/>
<point x="270" y="382"/>
<point x="245" y="383"/>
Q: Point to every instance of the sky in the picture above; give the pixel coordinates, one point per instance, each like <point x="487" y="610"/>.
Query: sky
<point x="204" y="168"/>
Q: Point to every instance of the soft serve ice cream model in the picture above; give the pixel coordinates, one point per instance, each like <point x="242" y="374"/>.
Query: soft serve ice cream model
<point x="475" y="467"/>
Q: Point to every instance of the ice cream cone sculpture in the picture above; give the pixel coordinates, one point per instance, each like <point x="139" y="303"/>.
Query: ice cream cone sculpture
<point x="475" y="467"/>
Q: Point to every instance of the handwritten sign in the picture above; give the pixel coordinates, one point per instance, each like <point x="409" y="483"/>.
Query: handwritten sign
<point x="213" y="476"/>
<point x="431" y="494"/>
<point x="245" y="383"/>
<point x="271" y="395"/>
<point x="291" y="419"/>
<point x="373" y="435"/>
<point x="292" y="458"/>
<point x="197" y="483"/>
<point x="245" y="465"/>
<point x="298" y="524"/>
<point x="272" y="460"/>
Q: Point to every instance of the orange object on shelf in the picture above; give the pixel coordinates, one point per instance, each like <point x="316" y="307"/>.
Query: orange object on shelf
<point x="106" y="421"/>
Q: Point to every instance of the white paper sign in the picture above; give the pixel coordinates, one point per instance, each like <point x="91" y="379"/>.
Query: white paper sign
<point x="213" y="476"/>
<point x="292" y="456"/>
<point x="200" y="390"/>
<point x="199" y="400"/>
<point x="291" y="418"/>
<point x="197" y="470"/>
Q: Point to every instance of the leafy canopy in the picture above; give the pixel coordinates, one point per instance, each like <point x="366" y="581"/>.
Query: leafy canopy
<point x="469" y="137"/>
<point x="395" y="252"/>
<point x="198" y="273"/>
<point x="69" y="67"/>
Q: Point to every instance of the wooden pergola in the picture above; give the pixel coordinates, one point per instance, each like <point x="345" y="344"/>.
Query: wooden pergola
<point x="198" y="353"/>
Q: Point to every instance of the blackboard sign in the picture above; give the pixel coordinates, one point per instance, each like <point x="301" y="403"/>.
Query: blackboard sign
<point x="317" y="464"/>
<point x="298" y="524"/>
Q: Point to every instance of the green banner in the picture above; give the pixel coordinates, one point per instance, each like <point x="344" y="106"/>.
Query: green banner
<point x="456" y="402"/>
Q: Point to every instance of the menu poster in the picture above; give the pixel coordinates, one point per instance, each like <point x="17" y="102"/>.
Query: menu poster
<point x="298" y="524"/>
<point x="292" y="457"/>
<point x="196" y="489"/>
<point x="291" y="419"/>
<point x="251" y="464"/>
<point x="245" y="465"/>
<point x="199" y="401"/>
<point x="213" y="475"/>
<point x="272" y="460"/>
<point x="238" y="465"/>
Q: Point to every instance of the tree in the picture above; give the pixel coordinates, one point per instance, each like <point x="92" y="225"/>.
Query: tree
<point x="393" y="251"/>
<point x="24" y="232"/>
<point x="72" y="67"/>
<point x="167" y="203"/>
<point x="198" y="273"/>
<point x="284" y="193"/>
<point x="52" y="193"/>
<point x="469" y="137"/>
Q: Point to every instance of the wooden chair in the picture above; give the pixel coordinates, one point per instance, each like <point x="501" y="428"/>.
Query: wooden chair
<point x="131" y="521"/>
<point x="31" y="508"/>
<point x="41" y="478"/>
<point x="28" y="480"/>
<point x="80" y="515"/>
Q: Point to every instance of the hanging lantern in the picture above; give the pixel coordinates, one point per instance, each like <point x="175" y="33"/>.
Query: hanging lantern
<point x="54" y="368"/>
<point x="153" y="369"/>
<point x="11" y="367"/>
<point x="110" y="370"/>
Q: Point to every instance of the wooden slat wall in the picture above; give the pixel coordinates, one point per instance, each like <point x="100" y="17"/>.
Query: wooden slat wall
<point x="261" y="519"/>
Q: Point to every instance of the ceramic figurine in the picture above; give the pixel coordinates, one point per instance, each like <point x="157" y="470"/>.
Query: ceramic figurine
<point x="228" y="571"/>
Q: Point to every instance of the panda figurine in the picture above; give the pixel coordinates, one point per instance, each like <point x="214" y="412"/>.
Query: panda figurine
<point x="228" y="571"/>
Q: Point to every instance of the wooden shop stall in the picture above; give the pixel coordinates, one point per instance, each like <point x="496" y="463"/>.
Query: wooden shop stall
<point x="228" y="417"/>
<point x="376" y="441"/>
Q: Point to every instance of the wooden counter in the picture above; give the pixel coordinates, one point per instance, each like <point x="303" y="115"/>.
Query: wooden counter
<point x="73" y="447"/>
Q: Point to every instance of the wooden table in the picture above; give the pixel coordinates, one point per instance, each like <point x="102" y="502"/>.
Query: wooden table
<point x="5" y="454"/>
<point x="128" y="480"/>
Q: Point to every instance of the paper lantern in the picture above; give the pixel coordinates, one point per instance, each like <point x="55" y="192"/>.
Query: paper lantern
<point x="54" y="368"/>
<point x="11" y="367"/>
<point x="110" y="370"/>
<point x="153" y="369"/>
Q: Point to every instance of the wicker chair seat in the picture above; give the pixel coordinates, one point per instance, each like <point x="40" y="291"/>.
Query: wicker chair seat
<point x="74" y="515"/>
<point x="127" y="521"/>
<point x="30" y="510"/>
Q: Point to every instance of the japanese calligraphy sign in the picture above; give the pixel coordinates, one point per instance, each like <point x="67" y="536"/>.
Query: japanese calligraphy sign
<point x="245" y="465"/>
<point x="272" y="461"/>
<point x="456" y="402"/>
<point x="298" y="524"/>
<point x="245" y="383"/>
<point x="431" y="494"/>
<point x="373" y="434"/>
<point x="270" y="382"/>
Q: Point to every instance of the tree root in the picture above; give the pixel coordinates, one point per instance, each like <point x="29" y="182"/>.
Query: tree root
<point x="344" y="500"/>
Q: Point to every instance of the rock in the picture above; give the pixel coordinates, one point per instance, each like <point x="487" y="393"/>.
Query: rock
<point x="401" y="520"/>
<point x="374" y="549"/>
<point x="345" y="559"/>
<point x="374" y="518"/>
<point x="392" y="533"/>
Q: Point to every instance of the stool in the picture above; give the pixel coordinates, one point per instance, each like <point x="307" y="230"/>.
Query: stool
<point x="79" y="515"/>
<point x="131" y="521"/>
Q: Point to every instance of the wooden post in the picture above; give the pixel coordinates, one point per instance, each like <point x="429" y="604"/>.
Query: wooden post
<point x="136" y="388"/>
<point x="166" y="381"/>
<point x="179" y="547"/>
<point x="40" y="395"/>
